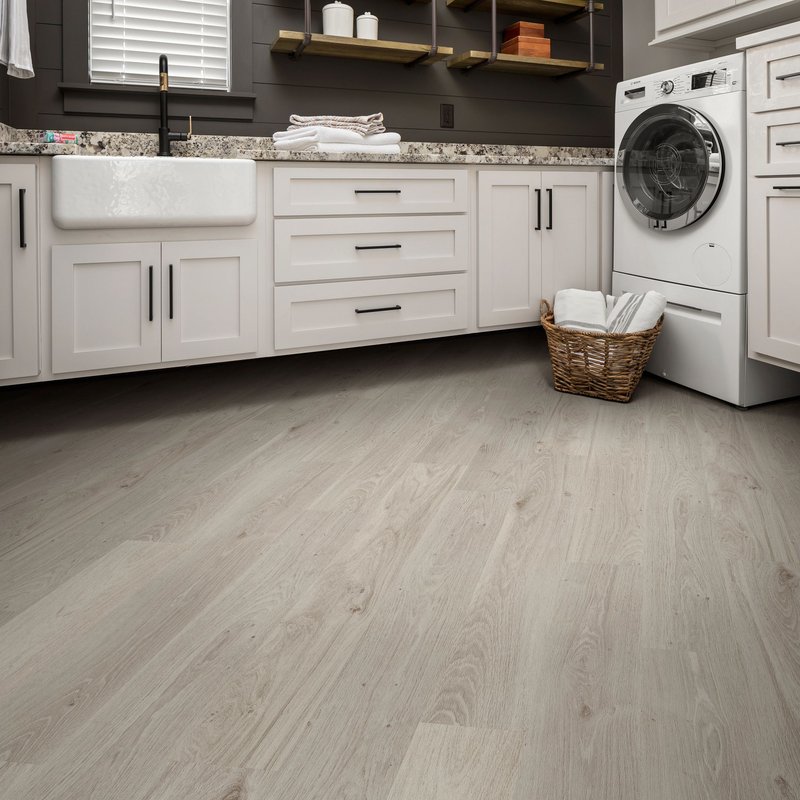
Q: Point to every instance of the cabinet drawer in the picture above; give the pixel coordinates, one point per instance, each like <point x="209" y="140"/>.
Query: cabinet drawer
<point x="369" y="247"/>
<point x="773" y="74"/>
<point x="313" y="192"/>
<point x="333" y="313"/>
<point x="774" y="142"/>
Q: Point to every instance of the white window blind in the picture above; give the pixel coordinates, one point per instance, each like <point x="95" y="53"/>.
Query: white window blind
<point x="126" y="38"/>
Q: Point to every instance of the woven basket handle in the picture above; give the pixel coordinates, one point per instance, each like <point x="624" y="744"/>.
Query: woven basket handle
<point x="544" y="308"/>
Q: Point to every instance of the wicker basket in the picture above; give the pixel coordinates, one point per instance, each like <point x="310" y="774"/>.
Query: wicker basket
<point x="605" y="365"/>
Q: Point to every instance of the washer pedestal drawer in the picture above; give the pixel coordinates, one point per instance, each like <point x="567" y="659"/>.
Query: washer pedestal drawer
<point x="358" y="311"/>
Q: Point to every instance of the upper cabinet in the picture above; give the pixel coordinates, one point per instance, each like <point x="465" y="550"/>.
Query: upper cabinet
<point x="678" y="12"/>
<point x="709" y="22"/>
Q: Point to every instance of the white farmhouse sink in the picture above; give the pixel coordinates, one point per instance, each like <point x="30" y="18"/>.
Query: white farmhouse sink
<point x="141" y="192"/>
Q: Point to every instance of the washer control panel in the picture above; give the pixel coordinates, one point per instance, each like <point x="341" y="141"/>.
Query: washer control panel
<point x="716" y="76"/>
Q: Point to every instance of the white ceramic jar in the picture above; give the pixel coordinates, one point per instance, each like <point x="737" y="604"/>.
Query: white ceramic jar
<point x="367" y="26"/>
<point x="337" y="19"/>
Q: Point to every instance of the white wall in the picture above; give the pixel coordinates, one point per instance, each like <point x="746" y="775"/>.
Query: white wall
<point x="638" y="20"/>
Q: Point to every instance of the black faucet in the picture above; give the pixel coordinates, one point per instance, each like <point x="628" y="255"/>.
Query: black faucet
<point x="165" y="136"/>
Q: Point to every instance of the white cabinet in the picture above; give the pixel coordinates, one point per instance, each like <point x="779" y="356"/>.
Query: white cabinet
<point x="106" y="306"/>
<point x="774" y="276"/>
<point x="360" y="192"/>
<point x="19" y="300"/>
<point x="773" y="197"/>
<point x="314" y="314"/>
<point x="705" y="24"/>
<point x="677" y="12"/>
<point x="118" y="305"/>
<point x="537" y="232"/>
<point x="319" y="249"/>
<point x="210" y="291"/>
<point x="366" y="255"/>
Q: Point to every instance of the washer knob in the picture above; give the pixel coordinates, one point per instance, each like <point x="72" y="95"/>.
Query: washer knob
<point x="667" y="87"/>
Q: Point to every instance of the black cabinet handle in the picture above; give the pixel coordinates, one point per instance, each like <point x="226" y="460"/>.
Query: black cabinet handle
<point x="170" y="291"/>
<point x="786" y="188"/>
<point x="376" y="310"/>
<point x="787" y="76"/>
<point x="22" y="241"/>
<point x="538" y="210"/>
<point x="377" y="191"/>
<point x="378" y="246"/>
<point x="150" y="293"/>
<point x="550" y="209"/>
<point x="787" y="144"/>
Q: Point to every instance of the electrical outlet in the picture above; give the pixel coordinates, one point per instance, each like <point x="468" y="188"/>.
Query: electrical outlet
<point x="446" y="115"/>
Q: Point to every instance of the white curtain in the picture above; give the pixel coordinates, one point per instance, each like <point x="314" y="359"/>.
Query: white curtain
<point x="15" y="43"/>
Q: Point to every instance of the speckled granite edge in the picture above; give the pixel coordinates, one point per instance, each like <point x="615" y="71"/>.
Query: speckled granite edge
<point x="26" y="142"/>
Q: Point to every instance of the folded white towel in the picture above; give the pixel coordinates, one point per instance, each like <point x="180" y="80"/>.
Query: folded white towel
<point x="580" y="310"/>
<point x="320" y="133"/>
<point x="382" y="149"/>
<point x="310" y="146"/>
<point x="15" y="45"/>
<point x="369" y="123"/>
<point x="636" y="312"/>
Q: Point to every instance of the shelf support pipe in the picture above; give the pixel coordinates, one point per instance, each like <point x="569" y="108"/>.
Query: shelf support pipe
<point x="493" y="56"/>
<point x="590" y="9"/>
<point x="298" y="51"/>
<point x="434" y="49"/>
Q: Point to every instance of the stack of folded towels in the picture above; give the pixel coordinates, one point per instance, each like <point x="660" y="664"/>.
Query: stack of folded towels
<point x="326" y="134"/>
<point x="595" y="312"/>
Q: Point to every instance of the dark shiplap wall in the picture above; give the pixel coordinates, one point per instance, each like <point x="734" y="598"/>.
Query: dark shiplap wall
<point x="489" y="108"/>
<point x="3" y="95"/>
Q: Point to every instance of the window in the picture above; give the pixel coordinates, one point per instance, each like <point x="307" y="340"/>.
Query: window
<point x="126" y="38"/>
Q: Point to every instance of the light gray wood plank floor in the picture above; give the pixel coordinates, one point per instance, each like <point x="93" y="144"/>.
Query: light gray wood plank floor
<point x="411" y="572"/>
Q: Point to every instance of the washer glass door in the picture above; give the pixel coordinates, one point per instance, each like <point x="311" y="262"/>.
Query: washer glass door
<point x="670" y="166"/>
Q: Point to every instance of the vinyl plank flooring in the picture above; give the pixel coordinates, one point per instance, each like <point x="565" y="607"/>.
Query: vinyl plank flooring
<point x="373" y="704"/>
<point x="395" y="572"/>
<point x="445" y="762"/>
<point x="697" y="714"/>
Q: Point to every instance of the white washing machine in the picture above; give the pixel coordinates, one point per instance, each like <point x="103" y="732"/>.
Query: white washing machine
<point x="680" y="225"/>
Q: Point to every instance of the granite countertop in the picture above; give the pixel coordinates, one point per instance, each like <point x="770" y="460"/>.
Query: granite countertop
<point x="27" y="142"/>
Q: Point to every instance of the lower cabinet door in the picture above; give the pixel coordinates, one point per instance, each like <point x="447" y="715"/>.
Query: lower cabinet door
<point x="19" y="265"/>
<point x="209" y="299"/>
<point x="333" y="313"/>
<point x="510" y="224"/>
<point x="773" y="270"/>
<point x="571" y="241"/>
<point x="106" y="306"/>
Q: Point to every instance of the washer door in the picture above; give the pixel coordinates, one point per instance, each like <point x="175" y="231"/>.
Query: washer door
<point x="670" y="166"/>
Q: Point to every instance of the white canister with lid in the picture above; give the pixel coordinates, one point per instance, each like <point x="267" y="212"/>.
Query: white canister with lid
<point x="337" y="19"/>
<point x="367" y="26"/>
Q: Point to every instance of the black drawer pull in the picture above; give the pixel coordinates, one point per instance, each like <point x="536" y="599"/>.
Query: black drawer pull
<point x="376" y="310"/>
<point x="550" y="209"/>
<point x="377" y="191"/>
<point x="378" y="246"/>
<point x="538" y="209"/>
<point x="170" y="292"/>
<point x="22" y="240"/>
<point x="786" y="188"/>
<point x="787" y="76"/>
<point x="150" y="294"/>
<point x="787" y="144"/>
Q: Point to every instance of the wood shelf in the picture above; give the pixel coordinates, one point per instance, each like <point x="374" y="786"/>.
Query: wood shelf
<point x="522" y="65"/>
<point x="367" y="49"/>
<point x="543" y="9"/>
